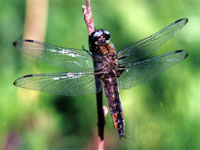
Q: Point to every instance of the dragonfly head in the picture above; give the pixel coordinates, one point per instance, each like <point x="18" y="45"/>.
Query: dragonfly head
<point x="100" y="37"/>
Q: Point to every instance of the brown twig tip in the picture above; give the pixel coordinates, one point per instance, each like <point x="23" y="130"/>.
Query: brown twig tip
<point x="84" y="9"/>
<point x="87" y="11"/>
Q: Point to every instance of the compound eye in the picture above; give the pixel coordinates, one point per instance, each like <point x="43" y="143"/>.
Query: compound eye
<point x="107" y="35"/>
<point x="106" y="32"/>
<point x="97" y="34"/>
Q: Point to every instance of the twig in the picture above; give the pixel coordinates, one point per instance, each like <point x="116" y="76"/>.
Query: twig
<point x="87" y="11"/>
<point x="101" y="141"/>
<point x="101" y="120"/>
<point x="102" y="111"/>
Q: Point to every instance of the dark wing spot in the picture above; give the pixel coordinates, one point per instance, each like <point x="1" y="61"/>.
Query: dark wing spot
<point x="186" y="55"/>
<point x="26" y="76"/>
<point x="29" y="75"/>
<point x="178" y="51"/>
<point x="28" y="40"/>
<point x="15" y="44"/>
<point x="14" y="83"/>
<point x="178" y="20"/>
<point x="186" y="20"/>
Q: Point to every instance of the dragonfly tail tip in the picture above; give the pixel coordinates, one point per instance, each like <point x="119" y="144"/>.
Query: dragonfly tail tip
<point x="122" y="135"/>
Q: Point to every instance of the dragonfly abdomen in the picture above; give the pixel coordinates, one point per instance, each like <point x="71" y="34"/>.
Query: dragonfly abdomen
<point x="114" y="103"/>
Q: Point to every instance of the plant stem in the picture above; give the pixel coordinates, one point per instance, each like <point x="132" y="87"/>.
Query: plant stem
<point x="87" y="11"/>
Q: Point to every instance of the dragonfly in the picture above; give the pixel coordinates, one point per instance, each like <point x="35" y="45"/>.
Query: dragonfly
<point x="102" y="65"/>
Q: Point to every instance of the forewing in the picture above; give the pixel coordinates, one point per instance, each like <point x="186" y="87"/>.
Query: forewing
<point x="145" y="47"/>
<point x="68" y="58"/>
<point x="142" y="71"/>
<point x="67" y="83"/>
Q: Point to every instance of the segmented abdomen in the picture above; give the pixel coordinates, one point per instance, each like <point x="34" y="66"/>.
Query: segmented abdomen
<point x="114" y="103"/>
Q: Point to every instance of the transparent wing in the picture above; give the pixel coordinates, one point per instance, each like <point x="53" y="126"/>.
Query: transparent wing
<point x="145" y="47"/>
<point x="73" y="59"/>
<point x="141" y="71"/>
<point x="67" y="83"/>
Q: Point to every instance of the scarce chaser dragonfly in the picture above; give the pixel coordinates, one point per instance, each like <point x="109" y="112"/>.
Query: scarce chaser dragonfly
<point x="126" y="68"/>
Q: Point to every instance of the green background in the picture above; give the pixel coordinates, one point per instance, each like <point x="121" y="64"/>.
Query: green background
<point x="161" y="114"/>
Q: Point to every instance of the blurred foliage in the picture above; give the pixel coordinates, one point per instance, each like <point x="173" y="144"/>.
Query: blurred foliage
<point x="161" y="114"/>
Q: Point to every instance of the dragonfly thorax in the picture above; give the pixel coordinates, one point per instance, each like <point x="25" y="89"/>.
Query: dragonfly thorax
<point x="108" y="67"/>
<point x="105" y="57"/>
